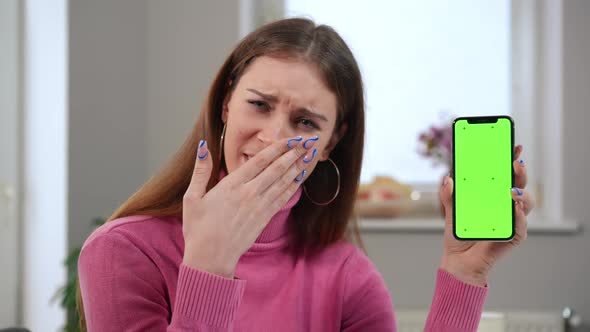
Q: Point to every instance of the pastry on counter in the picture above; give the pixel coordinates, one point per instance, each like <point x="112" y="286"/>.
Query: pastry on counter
<point x="384" y="197"/>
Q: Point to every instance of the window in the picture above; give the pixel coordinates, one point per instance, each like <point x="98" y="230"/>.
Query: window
<point x="426" y="61"/>
<point x="423" y="62"/>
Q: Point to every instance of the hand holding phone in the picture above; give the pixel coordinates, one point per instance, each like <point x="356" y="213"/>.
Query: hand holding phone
<point x="472" y="261"/>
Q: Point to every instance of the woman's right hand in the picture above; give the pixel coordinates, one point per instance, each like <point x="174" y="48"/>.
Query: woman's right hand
<point x="222" y="224"/>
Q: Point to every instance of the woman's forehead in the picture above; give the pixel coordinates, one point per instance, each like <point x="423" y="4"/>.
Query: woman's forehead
<point x="289" y="80"/>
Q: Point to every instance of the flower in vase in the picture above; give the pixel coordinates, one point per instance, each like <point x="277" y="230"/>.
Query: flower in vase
<point x="436" y="143"/>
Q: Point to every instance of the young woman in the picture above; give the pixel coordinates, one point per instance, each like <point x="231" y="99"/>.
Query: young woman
<point x="235" y="234"/>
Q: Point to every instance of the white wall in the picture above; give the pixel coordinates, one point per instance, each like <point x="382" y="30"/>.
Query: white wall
<point x="10" y="81"/>
<point x="576" y="152"/>
<point x="186" y="44"/>
<point x="139" y="73"/>
<point x="107" y="137"/>
<point x="45" y="159"/>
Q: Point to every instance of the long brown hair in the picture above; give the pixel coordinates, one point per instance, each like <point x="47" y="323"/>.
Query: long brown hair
<point x="316" y="226"/>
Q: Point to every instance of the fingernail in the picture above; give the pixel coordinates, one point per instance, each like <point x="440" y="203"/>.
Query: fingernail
<point x="521" y="161"/>
<point x="310" y="142"/>
<point x="202" y="150"/>
<point x="308" y="160"/>
<point x="444" y="181"/>
<point x="517" y="191"/>
<point x="294" y="141"/>
<point x="300" y="178"/>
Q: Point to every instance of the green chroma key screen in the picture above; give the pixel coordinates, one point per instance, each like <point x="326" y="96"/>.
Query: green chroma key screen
<point x="482" y="166"/>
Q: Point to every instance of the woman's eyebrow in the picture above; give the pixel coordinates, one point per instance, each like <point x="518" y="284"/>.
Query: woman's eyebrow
<point x="309" y="113"/>
<point x="274" y="99"/>
<point x="271" y="98"/>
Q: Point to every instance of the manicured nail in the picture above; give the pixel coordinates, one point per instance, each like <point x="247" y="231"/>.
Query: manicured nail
<point x="521" y="161"/>
<point x="445" y="181"/>
<point x="517" y="191"/>
<point x="294" y="141"/>
<point x="202" y="150"/>
<point x="310" y="142"/>
<point x="300" y="178"/>
<point x="308" y="160"/>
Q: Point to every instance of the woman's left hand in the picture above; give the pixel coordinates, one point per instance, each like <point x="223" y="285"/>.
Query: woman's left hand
<point x="471" y="261"/>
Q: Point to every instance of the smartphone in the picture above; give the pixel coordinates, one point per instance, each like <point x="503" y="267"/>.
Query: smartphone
<point x="483" y="151"/>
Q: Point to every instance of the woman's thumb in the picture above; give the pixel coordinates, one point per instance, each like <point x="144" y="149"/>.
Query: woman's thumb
<point x="201" y="172"/>
<point x="446" y="195"/>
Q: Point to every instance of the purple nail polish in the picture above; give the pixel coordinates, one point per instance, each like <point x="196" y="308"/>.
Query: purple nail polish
<point x="202" y="151"/>
<point x="307" y="143"/>
<point x="296" y="139"/>
<point x="300" y="177"/>
<point x="307" y="161"/>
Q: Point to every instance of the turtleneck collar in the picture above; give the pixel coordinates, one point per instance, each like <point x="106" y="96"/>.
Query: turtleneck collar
<point x="278" y="225"/>
<point x="274" y="234"/>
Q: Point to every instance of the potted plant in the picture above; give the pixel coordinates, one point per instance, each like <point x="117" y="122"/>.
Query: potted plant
<point x="436" y="143"/>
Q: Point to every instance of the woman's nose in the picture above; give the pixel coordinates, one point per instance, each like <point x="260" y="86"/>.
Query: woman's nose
<point x="274" y="131"/>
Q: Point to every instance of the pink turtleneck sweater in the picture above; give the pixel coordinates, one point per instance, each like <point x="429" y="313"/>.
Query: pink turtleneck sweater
<point x="132" y="279"/>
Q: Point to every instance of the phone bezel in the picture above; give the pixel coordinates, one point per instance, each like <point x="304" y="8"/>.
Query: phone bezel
<point x="476" y="120"/>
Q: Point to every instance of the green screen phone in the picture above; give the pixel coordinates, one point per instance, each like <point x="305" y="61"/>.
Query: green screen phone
<point x="483" y="149"/>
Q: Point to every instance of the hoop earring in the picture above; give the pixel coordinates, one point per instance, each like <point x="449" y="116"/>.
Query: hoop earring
<point x="221" y="142"/>
<point x="337" y="188"/>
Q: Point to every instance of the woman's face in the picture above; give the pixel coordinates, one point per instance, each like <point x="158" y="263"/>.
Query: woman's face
<point x="276" y="99"/>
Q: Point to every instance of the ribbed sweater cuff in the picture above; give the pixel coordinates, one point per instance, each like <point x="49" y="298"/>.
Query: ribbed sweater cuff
<point x="456" y="304"/>
<point x="207" y="298"/>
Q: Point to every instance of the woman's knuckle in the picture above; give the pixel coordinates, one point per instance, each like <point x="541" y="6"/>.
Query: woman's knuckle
<point x="190" y="197"/>
<point x="300" y="167"/>
<point x="278" y="203"/>
<point x="292" y="188"/>
<point x="250" y="194"/>
<point x="285" y="182"/>
<point x="282" y="168"/>
<point x="245" y="193"/>
<point x="200" y="171"/>
<point x="262" y="161"/>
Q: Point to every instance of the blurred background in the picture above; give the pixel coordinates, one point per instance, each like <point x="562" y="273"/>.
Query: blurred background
<point x="96" y="95"/>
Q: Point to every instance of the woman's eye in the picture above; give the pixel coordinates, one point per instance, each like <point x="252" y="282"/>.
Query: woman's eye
<point x="308" y="123"/>
<point x="258" y="104"/>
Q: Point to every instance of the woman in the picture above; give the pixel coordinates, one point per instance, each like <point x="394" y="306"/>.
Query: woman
<point x="234" y="234"/>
